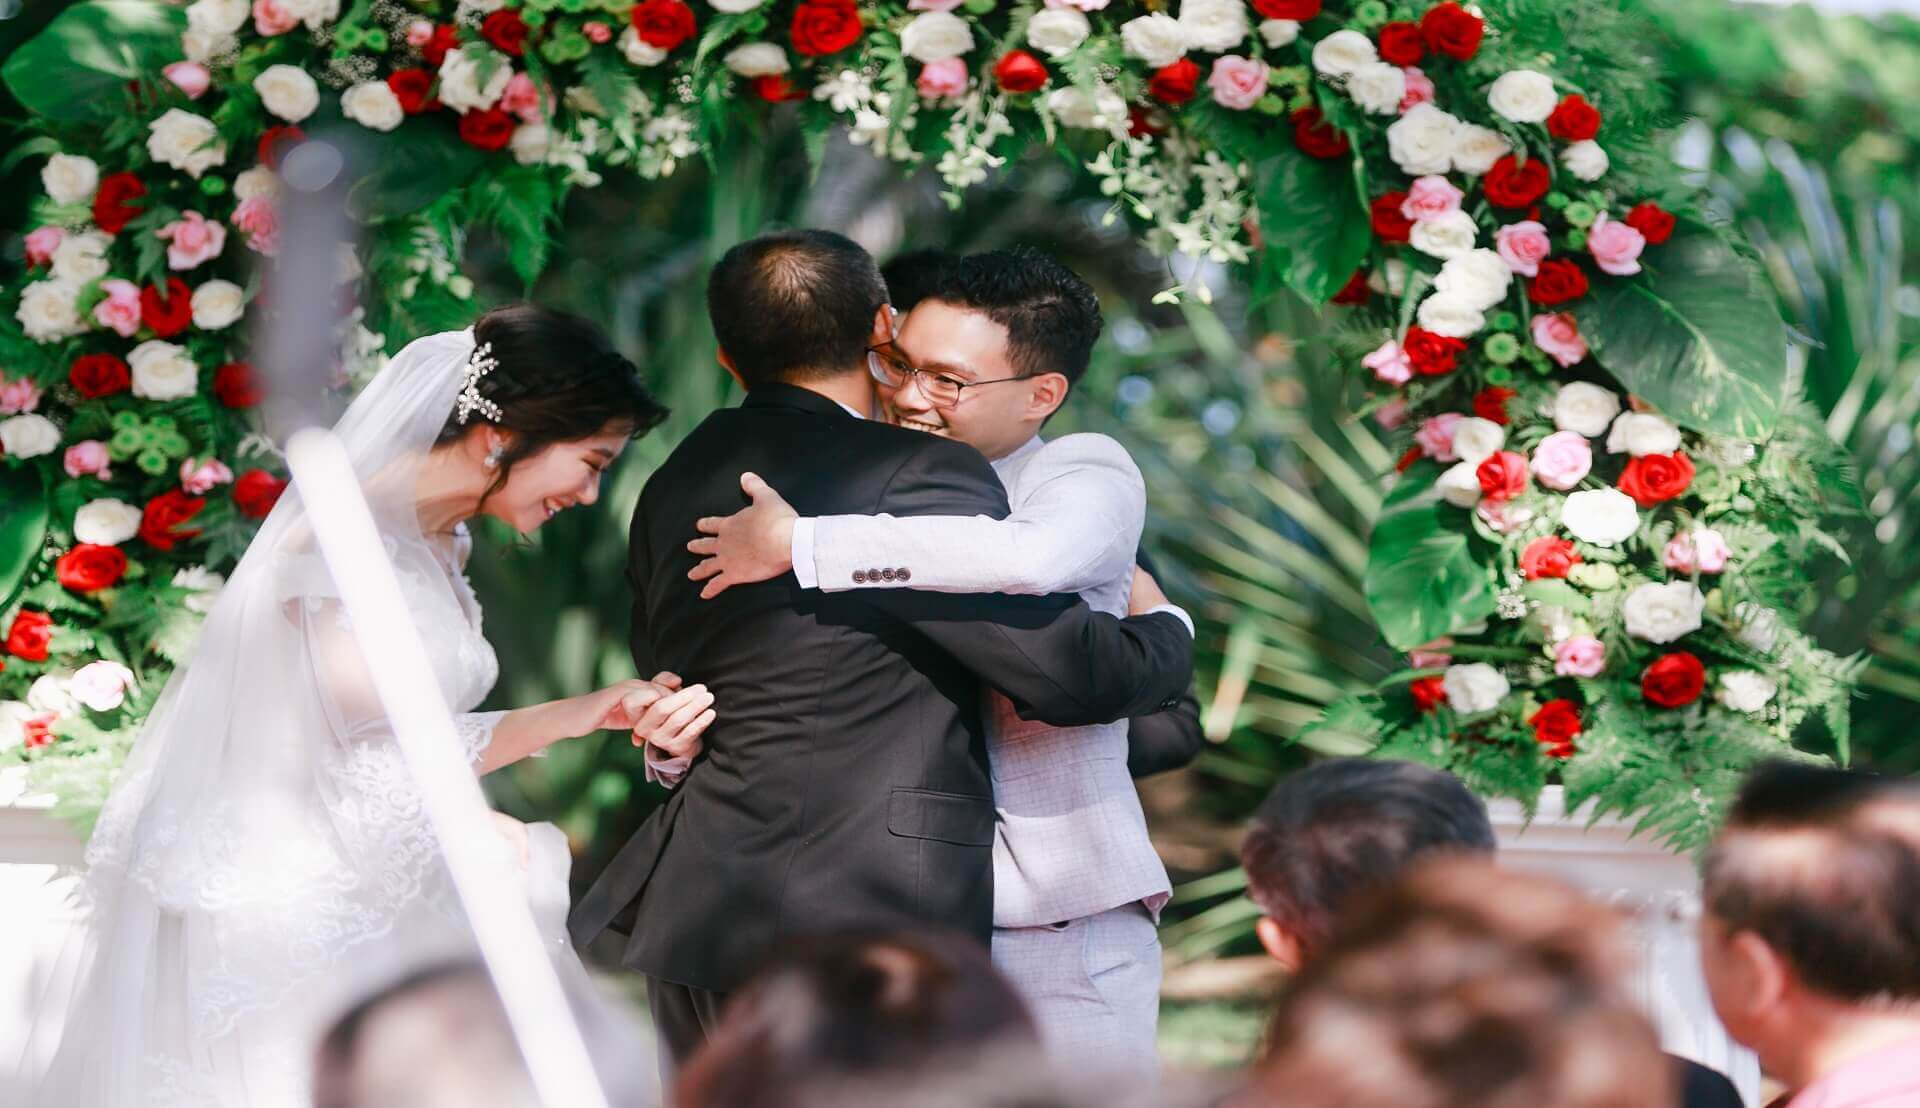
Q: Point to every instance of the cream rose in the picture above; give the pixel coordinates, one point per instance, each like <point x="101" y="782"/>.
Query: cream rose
<point x="81" y="258"/>
<point x="220" y="17"/>
<point x="256" y="183"/>
<point x="936" y="36"/>
<point x="1057" y="32"/>
<point x="318" y="13"/>
<point x="1603" y="517"/>
<point x="1478" y="277"/>
<point x="1474" y="687"/>
<point x="758" y="59"/>
<point x="1757" y="627"/>
<point x="1745" y="690"/>
<point x="1523" y="95"/>
<point x="49" y="694"/>
<point x="639" y="51"/>
<point x="205" y="585"/>
<point x="1449" y="236"/>
<point x="460" y="85"/>
<point x="1586" y="160"/>
<point x="1584" y="408"/>
<point x="102" y="686"/>
<point x="1378" y="87"/>
<point x="372" y="105"/>
<point x="1459" y="485"/>
<point x="162" y="371"/>
<point x="1662" y="613"/>
<point x="1102" y="110"/>
<point x="204" y="46"/>
<point x="14" y="715"/>
<point x="735" y="7"/>
<point x="1157" y="39"/>
<point x="1215" y="26"/>
<point x="106" y="522"/>
<point x="70" y="178"/>
<point x="1643" y="433"/>
<point x="530" y="142"/>
<point x="1279" y="32"/>
<point x="1476" y="148"/>
<point x="288" y="92"/>
<point x="28" y="436"/>
<point x="1421" y="142"/>
<point x="1452" y="316"/>
<point x="1342" y="53"/>
<point x="189" y="143"/>
<point x="49" y="310"/>
<point x="1475" y="439"/>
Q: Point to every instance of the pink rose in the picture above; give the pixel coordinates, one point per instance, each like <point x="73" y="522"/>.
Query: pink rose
<point x="1237" y="82"/>
<point x="1419" y="89"/>
<point x="1562" y="460"/>
<point x="191" y="78"/>
<point x="18" y="395"/>
<point x="932" y="5"/>
<point x="1431" y="655"/>
<point x="1391" y="414"/>
<point x="120" y="311"/>
<point x="419" y="33"/>
<point x="1389" y="363"/>
<point x="1559" y="335"/>
<point x="257" y="218"/>
<point x="1579" y="656"/>
<point x="1435" y="436"/>
<point x="1523" y="246"/>
<point x="1615" y="246"/>
<point x="89" y="457"/>
<point x="1501" y="515"/>
<point x="521" y="98"/>
<point x="198" y="477"/>
<point x="1431" y="198"/>
<point x="598" y="32"/>
<point x="42" y="242"/>
<point x="270" y="18"/>
<point x="192" y="240"/>
<point x="1703" y="550"/>
<point x="942" y="79"/>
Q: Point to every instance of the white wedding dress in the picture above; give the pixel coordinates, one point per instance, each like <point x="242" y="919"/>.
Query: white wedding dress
<point x="265" y="859"/>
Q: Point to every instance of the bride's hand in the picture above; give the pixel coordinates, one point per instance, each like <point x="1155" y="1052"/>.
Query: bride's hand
<point x="659" y="713"/>
<point x="515" y="834"/>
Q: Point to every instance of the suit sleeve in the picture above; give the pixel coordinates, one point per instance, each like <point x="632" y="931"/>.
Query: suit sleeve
<point x="660" y="769"/>
<point x="1166" y="740"/>
<point x="1055" y="658"/>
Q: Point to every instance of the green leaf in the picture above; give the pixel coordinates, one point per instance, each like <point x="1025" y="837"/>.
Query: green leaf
<point x="411" y="166"/>
<point x="79" y="66"/>
<point x="1314" y="229"/>
<point x="1351" y="726"/>
<point x="1698" y="335"/>
<point x="1559" y="594"/>
<point x="23" y="528"/>
<point x="1423" y="578"/>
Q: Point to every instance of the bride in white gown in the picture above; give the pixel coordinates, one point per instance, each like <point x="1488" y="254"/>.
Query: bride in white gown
<point x="265" y="854"/>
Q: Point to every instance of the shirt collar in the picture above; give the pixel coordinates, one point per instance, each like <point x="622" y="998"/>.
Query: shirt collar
<point x="1018" y="456"/>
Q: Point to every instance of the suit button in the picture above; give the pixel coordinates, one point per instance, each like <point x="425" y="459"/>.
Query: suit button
<point x="904" y="574"/>
<point x="886" y="575"/>
<point x="873" y="575"/>
<point x="859" y="576"/>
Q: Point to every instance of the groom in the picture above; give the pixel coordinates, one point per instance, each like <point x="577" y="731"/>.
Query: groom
<point x="845" y="783"/>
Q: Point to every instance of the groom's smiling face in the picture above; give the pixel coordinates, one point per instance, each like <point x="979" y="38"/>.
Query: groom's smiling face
<point x="967" y="347"/>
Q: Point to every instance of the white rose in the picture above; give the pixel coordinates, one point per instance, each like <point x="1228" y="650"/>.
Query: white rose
<point x="480" y="7"/>
<point x="1157" y="39"/>
<point x="1474" y="687"/>
<point x="1585" y="160"/>
<point x="317" y="13"/>
<point x="256" y="182"/>
<point x="1744" y="690"/>
<point x="48" y="311"/>
<point x="1102" y="110"/>
<point x="1643" y="433"/>
<point x="1758" y="627"/>
<point x="1584" y="408"/>
<point x="936" y="36"/>
<point x="1343" y="52"/>
<point x="48" y="693"/>
<point x="1524" y="96"/>
<point x="1475" y="439"/>
<point x="1449" y="236"/>
<point x="460" y="87"/>
<point x="1452" y="316"/>
<point x="14" y="715"/>
<point x="1421" y="142"/>
<point x="372" y="105"/>
<point x="217" y="304"/>
<point x="1459" y="485"/>
<point x="530" y="143"/>
<point x="106" y="522"/>
<point x="189" y="143"/>
<point x="1476" y="148"/>
<point x="758" y="59"/>
<point x="204" y="46"/>
<point x="1477" y="277"/>
<point x="162" y="371"/>
<point x="735" y="7"/>
<point x="1552" y="622"/>
<point x="1603" y="517"/>
<point x="288" y="92"/>
<point x="1214" y="25"/>
<point x="102" y="685"/>
<point x="81" y="258"/>
<point x="639" y="51"/>
<point x="1378" y="87"/>
<point x="220" y="17"/>
<point x="1663" y="613"/>
<point x="70" y="178"/>
<point x="205" y="584"/>
<point x="1057" y="32"/>
<point x="28" y="436"/>
<point x="1279" y="32"/>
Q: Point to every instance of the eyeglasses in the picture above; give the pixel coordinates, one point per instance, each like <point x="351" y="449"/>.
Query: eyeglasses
<point x="941" y="390"/>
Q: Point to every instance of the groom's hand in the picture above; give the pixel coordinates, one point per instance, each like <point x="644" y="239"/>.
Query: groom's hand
<point x="669" y="718"/>
<point x="753" y="544"/>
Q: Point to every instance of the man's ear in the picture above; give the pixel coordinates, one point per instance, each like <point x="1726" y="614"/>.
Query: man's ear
<point x="726" y="362"/>
<point x="883" y="326"/>
<point x="1048" y="392"/>
<point x="1282" y="945"/>
<point x="1764" y="976"/>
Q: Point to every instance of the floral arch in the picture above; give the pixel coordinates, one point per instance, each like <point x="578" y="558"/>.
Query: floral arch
<point x="1604" y="504"/>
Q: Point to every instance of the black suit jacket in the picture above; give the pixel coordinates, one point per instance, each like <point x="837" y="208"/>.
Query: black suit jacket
<point x="844" y="783"/>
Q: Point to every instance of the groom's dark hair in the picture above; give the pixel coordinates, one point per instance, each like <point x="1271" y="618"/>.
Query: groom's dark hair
<point x="1052" y="316"/>
<point x="794" y="305"/>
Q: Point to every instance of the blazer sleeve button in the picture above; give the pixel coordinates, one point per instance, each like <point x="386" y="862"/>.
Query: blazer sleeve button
<point x="904" y="574"/>
<point x="886" y="575"/>
<point x="859" y="576"/>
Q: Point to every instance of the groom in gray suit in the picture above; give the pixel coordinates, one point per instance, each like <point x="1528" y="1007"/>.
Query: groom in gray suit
<point x="987" y="355"/>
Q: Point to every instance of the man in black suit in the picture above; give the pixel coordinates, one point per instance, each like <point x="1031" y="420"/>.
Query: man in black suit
<point x="844" y="783"/>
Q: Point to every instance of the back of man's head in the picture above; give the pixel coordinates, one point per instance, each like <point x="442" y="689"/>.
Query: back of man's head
<point x="1343" y="826"/>
<point x="1052" y="317"/>
<point x="795" y="306"/>
<point x="1824" y="866"/>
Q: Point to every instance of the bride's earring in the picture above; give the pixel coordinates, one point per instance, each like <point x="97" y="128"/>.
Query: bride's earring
<point x="492" y="460"/>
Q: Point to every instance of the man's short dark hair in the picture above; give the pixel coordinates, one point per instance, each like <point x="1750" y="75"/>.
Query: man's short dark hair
<point x="1052" y="317"/>
<point x="910" y="276"/>
<point x="794" y="305"/>
<point x="1343" y="826"/>
<point x="1824" y="864"/>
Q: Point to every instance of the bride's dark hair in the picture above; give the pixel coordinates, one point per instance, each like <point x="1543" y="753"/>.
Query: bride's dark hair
<point x="557" y="379"/>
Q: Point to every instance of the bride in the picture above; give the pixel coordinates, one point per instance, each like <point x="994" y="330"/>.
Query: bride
<point x="265" y="853"/>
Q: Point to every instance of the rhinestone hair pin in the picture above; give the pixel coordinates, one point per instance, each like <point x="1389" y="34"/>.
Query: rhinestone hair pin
<point x="479" y="365"/>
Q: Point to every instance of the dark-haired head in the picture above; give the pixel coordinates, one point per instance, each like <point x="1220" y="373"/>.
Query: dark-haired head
<point x="796" y="306"/>
<point x="568" y="404"/>
<point x="913" y="276"/>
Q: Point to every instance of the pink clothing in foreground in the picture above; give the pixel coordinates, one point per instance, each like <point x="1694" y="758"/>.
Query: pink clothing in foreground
<point x="1887" y="1078"/>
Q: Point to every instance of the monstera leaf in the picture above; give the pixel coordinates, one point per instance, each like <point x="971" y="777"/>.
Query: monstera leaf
<point x="1423" y="579"/>
<point x="409" y="167"/>
<point x="1315" y="231"/>
<point x="23" y="528"/>
<point x="1698" y="335"/>
<point x="79" y="66"/>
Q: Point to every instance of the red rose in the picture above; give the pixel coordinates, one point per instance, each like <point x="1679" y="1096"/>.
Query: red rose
<point x="825" y="26"/>
<point x="113" y="206"/>
<point x="90" y="568"/>
<point x="160" y="523"/>
<point x="410" y="87"/>
<point x="1548" y="556"/>
<point x="1652" y="221"/>
<point x="1313" y="134"/>
<point x="1020" y="71"/>
<point x="1406" y="461"/>
<point x="1146" y="121"/>
<point x="1554" y="727"/>
<point x="38" y="731"/>
<point x="445" y="37"/>
<point x="1400" y="43"/>
<point x="1297" y="10"/>
<point x="1656" y="478"/>
<point x="1574" y="120"/>
<point x="256" y="492"/>
<point x="1176" y="83"/>
<point x="663" y="24"/>
<point x="1431" y="354"/>
<point x="1491" y="403"/>
<point x="1674" y="680"/>
<point x="235" y="386"/>
<point x="1503" y="475"/>
<point x="1428" y="693"/>
<point x="506" y="30"/>
<point x="98" y="375"/>
<point x="1452" y="30"/>
<point x="1512" y="184"/>
<point x="1355" y="291"/>
<point x="167" y="313"/>
<point x="774" y="87"/>
<point x="1558" y="281"/>
<point x="30" y="636"/>
<point x="1389" y="222"/>
<point x="275" y="142"/>
<point x="487" y="128"/>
